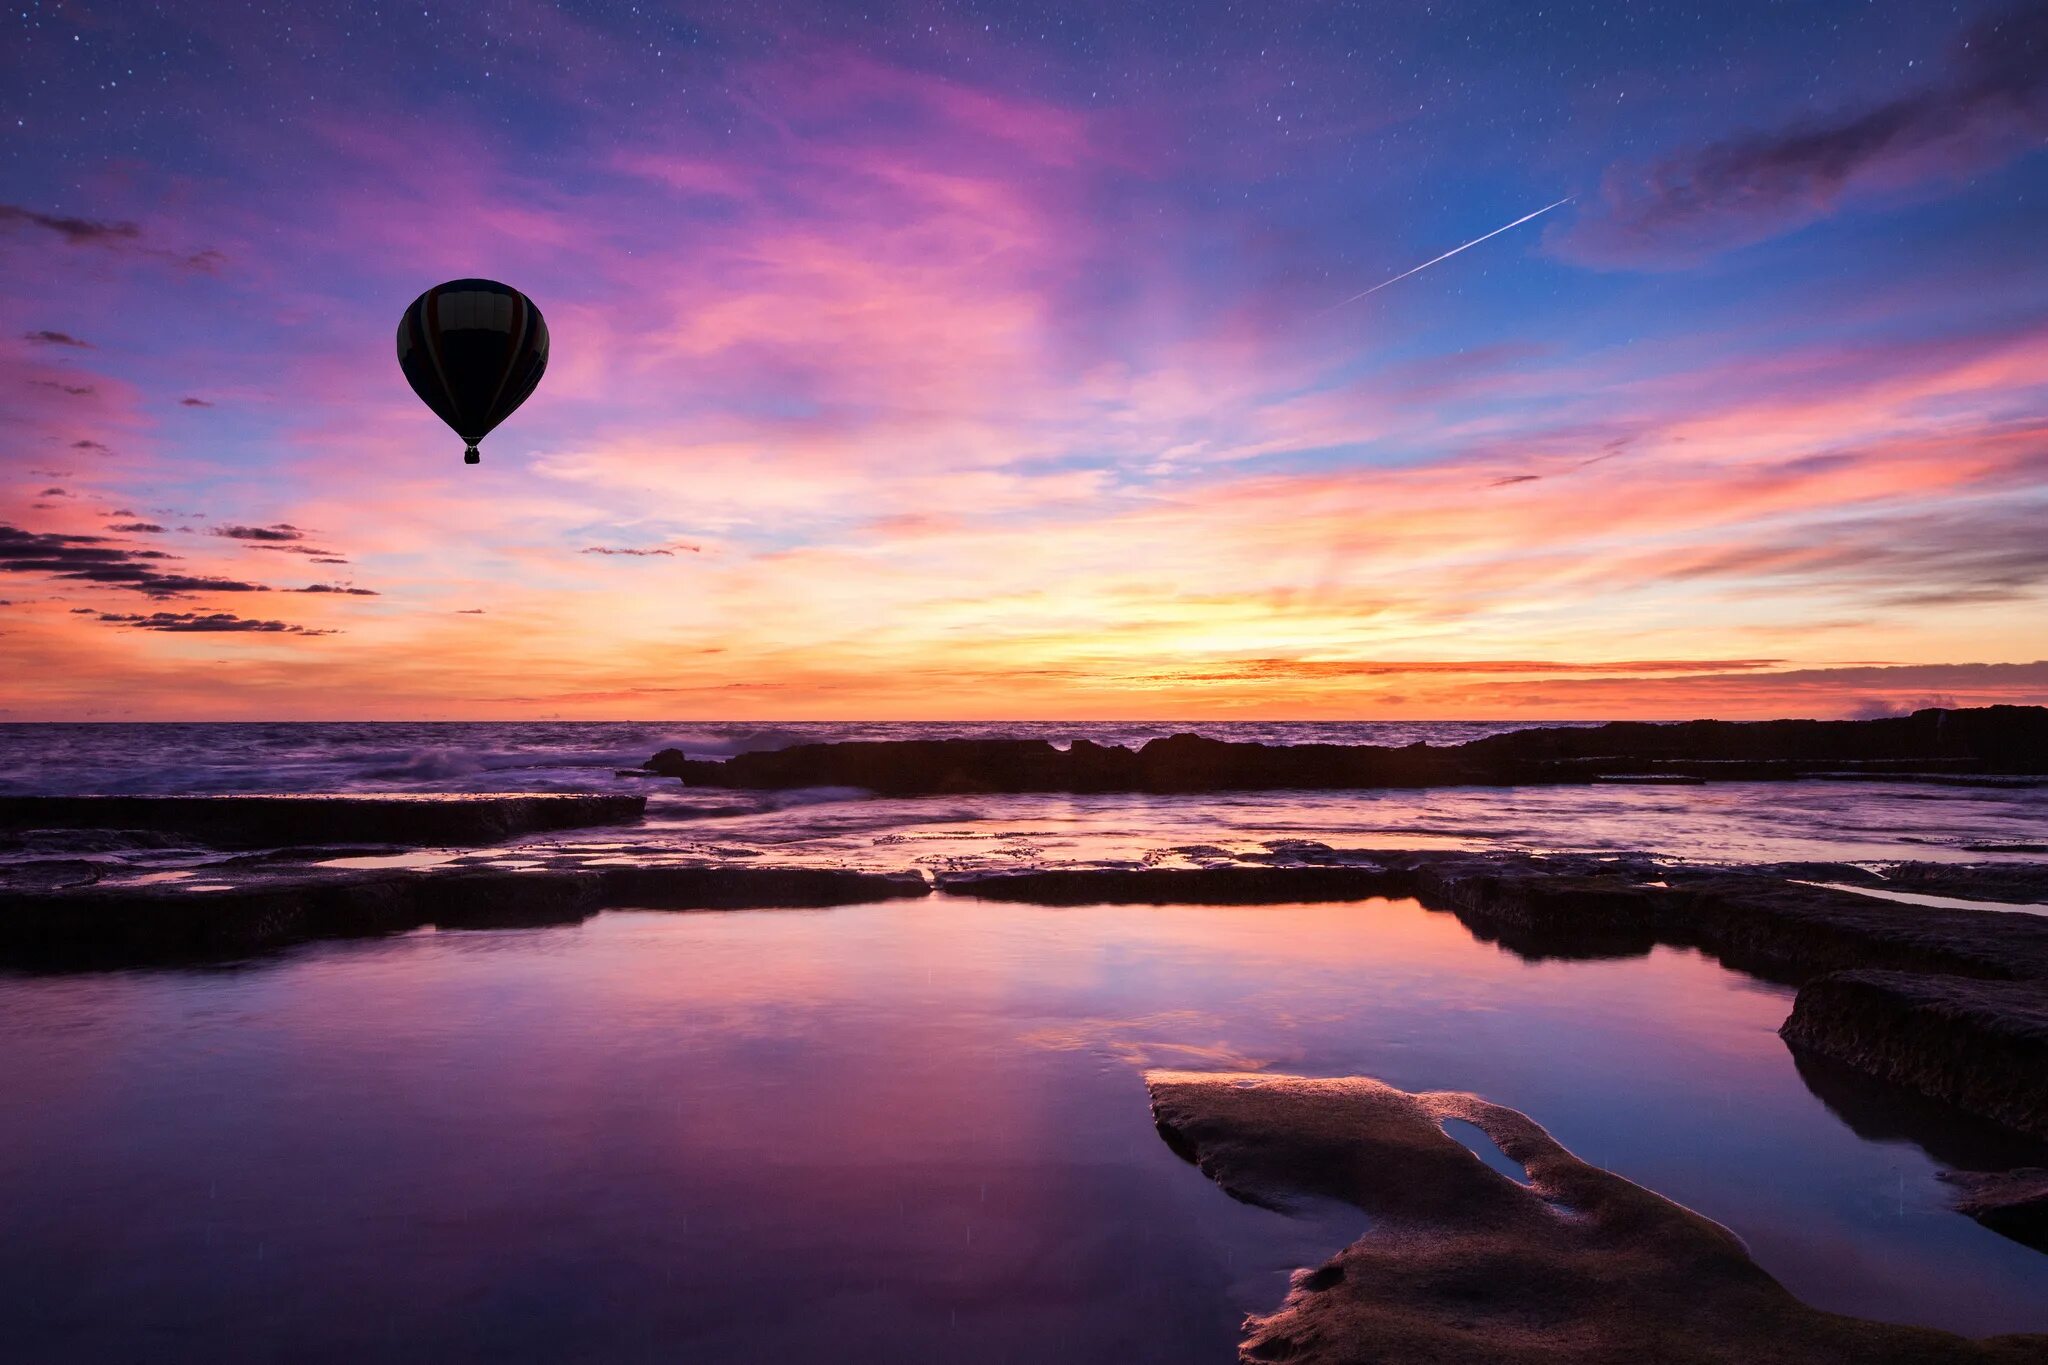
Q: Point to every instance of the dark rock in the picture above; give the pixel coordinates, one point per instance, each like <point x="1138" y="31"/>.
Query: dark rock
<point x="112" y="925"/>
<point x="1929" y="745"/>
<point x="80" y="841"/>
<point x="1178" y="886"/>
<point x="2013" y="738"/>
<point x="1463" y="1265"/>
<point x="1849" y="874"/>
<point x="1791" y="932"/>
<point x="1977" y="1044"/>
<point x="274" y="821"/>
<point x="1529" y="908"/>
<point x="2014" y="1203"/>
<point x="2010" y="883"/>
<point x="49" y="874"/>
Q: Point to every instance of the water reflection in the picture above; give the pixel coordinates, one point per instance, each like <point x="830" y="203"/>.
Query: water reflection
<point x="903" y="1132"/>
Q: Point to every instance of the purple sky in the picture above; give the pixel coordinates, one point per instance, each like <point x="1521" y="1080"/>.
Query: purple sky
<point x="988" y="360"/>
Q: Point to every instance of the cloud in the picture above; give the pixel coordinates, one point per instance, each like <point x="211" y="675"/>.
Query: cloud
<point x="1990" y="104"/>
<point x="75" y="390"/>
<point x="89" y="445"/>
<point x="1262" y="670"/>
<point x="608" y="550"/>
<point x="77" y="231"/>
<point x="329" y="587"/>
<point x="93" y="559"/>
<point x="280" y="531"/>
<point x="471" y="611"/>
<point x="1854" y="691"/>
<point x="193" y="403"/>
<point x="53" y="493"/>
<point x="46" y="337"/>
<point x="147" y="528"/>
<point x="119" y="236"/>
<point x="193" y="622"/>
<point x="1898" y="558"/>
<point x="318" y="555"/>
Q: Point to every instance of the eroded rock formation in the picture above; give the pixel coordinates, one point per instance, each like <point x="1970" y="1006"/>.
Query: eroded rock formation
<point x="1463" y="1264"/>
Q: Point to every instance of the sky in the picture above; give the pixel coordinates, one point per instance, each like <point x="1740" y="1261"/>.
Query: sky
<point x="940" y="361"/>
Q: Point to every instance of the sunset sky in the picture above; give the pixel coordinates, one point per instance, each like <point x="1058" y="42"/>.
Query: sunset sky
<point x="989" y="360"/>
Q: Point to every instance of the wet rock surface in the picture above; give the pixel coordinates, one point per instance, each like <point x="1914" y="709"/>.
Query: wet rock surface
<point x="273" y="821"/>
<point x="1979" y="1045"/>
<point x="2012" y="1202"/>
<point x="1465" y="1264"/>
<point x="1947" y="744"/>
<point x="276" y="906"/>
<point x="2013" y="883"/>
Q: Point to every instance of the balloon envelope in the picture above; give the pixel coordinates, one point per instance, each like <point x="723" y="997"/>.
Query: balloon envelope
<point x="472" y="350"/>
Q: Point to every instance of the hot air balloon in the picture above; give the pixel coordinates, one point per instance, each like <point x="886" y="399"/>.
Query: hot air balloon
<point x="472" y="350"/>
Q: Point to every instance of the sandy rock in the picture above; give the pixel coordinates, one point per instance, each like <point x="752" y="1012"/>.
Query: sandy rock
<point x="1463" y="1264"/>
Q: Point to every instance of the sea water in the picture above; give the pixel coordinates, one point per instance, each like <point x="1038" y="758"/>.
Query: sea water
<point x="915" y="1131"/>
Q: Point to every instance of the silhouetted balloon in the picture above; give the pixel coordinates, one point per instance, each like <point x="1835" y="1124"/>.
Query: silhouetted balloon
<point x="472" y="350"/>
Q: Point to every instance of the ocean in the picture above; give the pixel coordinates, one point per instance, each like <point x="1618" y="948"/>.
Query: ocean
<point x="1719" y="822"/>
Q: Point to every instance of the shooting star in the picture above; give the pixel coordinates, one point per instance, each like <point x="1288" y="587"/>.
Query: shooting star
<point x="1448" y="254"/>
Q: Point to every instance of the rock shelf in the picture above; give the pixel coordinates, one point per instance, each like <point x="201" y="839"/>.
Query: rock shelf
<point x="234" y="822"/>
<point x="170" y="922"/>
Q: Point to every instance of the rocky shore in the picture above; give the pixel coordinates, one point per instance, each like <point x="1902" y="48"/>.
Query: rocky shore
<point x="1980" y="744"/>
<point x="1570" y="1265"/>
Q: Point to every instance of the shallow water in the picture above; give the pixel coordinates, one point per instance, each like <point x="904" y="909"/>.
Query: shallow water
<point x="905" y="1132"/>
